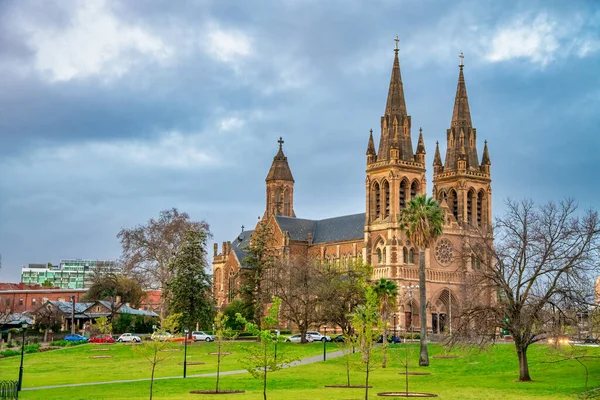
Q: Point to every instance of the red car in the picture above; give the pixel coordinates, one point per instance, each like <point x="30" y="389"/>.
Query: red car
<point x="101" y="339"/>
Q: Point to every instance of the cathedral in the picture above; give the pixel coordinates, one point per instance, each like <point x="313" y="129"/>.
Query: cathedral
<point x="395" y="173"/>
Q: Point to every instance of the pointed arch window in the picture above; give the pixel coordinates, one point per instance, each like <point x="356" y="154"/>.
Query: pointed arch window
<point x="384" y="256"/>
<point x="231" y="287"/>
<point x="414" y="189"/>
<point x="403" y="185"/>
<point x="480" y="198"/>
<point x="470" y="198"/>
<point x="286" y="202"/>
<point x="453" y="203"/>
<point x="379" y="255"/>
<point x="386" y="190"/>
<point x="377" y="200"/>
<point x="411" y="256"/>
<point x="405" y="255"/>
<point x="278" y="201"/>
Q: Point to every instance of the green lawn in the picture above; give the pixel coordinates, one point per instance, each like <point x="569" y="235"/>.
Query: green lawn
<point x="485" y="375"/>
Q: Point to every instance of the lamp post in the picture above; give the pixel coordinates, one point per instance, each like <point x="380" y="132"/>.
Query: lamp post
<point x="394" y="340"/>
<point x="185" y="352"/>
<point x="324" y="342"/>
<point x="22" y="353"/>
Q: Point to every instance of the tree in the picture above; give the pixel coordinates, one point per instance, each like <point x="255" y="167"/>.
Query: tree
<point x="237" y="306"/>
<point x="155" y="352"/>
<point x="47" y="284"/>
<point x="422" y="222"/>
<point x="190" y="286"/>
<point x="296" y="281"/>
<point x="101" y="326"/>
<point x="149" y="249"/>
<point x="386" y="292"/>
<point x="260" y="258"/>
<point x="116" y="288"/>
<point x="263" y="359"/>
<point x="538" y="267"/>
<point x="365" y="319"/>
<point x="221" y="334"/>
<point x="342" y="289"/>
<point x="48" y="318"/>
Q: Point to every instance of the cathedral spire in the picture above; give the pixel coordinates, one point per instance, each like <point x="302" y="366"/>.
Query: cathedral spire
<point x="461" y="125"/>
<point x="280" y="170"/>
<point x="395" y="100"/>
<point x="421" y="143"/>
<point x="371" y="145"/>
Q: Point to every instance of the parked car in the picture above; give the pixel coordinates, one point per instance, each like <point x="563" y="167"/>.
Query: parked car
<point x="298" y="338"/>
<point x="591" y="340"/>
<point x="75" y="338"/>
<point x="390" y="339"/>
<point x="102" y="339"/>
<point x="339" y="339"/>
<point x="161" y="336"/>
<point x="199" y="335"/>
<point x="128" y="337"/>
<point x="317" y="337"/>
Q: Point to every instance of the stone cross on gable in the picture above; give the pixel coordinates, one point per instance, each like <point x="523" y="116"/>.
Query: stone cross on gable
<point x="461" y="56"/>
<point x="280" y="141"/>
<point x="396" y="40"/>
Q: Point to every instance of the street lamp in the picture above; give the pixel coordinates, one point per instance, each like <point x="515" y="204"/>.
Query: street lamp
<point x="324" y="342"/>
<point x="22" y="353"/>
<point x="394" y="340"/>
<point x="185" y="351"/>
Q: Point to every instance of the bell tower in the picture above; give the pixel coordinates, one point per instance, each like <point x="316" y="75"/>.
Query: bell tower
<point x="280" y="186"/>
<point x="462" y="181"/>
<point x="395" y="175"/>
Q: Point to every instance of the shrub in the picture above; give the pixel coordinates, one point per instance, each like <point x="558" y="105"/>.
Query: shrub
<point x="285" y="332"/>
<point x="61" y="343"/>
<point x="32" y="348"/>
<point x="10" y="353"/>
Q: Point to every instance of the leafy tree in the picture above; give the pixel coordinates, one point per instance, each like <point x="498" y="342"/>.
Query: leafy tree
<point x="263" y="358"/>
<point x="172" y="323"/>
<point x="47" y="284"/>
<point x="348" y="347"/>
<point x="122" y="323"/>
<point x="386" y="292"/>
<point x="102" y="326"/>
<point x="221" y="334"/>
<point x="297" y="282"/>
<point x="342" y="289"/>
<point x="365" y="318"/>
<point x="114" y="287"/>
<point x="537" y="265"/>
<point x="237" y="306"/>
<point x="149" y="249"/>
<point x="260" y="258"/>
<point x="422" y="222"/>
<point x="190" y="286"/>
<point x="48" y="318"/>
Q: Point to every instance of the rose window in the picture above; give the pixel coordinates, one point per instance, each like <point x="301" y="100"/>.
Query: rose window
<point x="444" y="251"/>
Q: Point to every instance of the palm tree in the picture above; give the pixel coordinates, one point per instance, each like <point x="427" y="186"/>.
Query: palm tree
<point x="422" y="222"/>
<point x="387" y="292"/>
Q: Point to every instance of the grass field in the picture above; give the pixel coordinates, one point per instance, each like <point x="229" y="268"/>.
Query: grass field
<point x="486" y="375"/>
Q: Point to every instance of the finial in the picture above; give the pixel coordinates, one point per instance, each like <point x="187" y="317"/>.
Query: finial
<point x="420" y="131"/>
<point x="371" y="131"/>
<point x="461" y="56"/>
<point x="437" y="143"/>
<point x="485" y="142"/>
<point x="242" y="228"/>
<point x="280" y="141"/>
<point x="396" y="40"/>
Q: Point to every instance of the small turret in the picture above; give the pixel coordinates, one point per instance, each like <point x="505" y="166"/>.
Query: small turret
<point x="485" y="160"/>
<point x="420" y="154"/>
<point x="371" y="155"/>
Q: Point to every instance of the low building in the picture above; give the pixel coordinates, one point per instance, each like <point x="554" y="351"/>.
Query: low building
<point x="20" y="297"/>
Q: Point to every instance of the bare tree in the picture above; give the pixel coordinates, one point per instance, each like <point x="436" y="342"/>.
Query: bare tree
<point x="148" y="249"/>
<point x="297" y="282"/>
<point x="536" y="269"/>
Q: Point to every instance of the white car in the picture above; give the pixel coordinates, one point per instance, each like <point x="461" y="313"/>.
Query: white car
<point x="161" y="336"/>
<point x="298" y="338"/>
<point x="199" y="335"/>
<point x="317" y="337"/>
<point x="128" y="337"/>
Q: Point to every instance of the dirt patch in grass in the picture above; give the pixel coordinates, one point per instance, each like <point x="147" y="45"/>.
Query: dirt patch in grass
<point x="441" y="357"/>
<point x="404" y="394"/>
<point x="414" y="373"/>
<point x="216" y="354"/>
<point x="101" y="356"/>
<point x="99" y="349"/>
<point x="347" y="387"/>
<point x="192" y="363"/>
<point x="219" y="392"/>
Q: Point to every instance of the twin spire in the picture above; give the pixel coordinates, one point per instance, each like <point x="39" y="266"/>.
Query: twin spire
<point x="396" y="125"/>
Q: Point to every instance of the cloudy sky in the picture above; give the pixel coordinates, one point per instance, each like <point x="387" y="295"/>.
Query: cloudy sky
<point x="111" y="111"/>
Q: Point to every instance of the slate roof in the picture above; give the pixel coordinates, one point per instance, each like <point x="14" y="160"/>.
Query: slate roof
<point x="66" y="306"/>
<point x="239" y="243"/>
<point x="125" y="309"/>
<point x="337" y="229"/>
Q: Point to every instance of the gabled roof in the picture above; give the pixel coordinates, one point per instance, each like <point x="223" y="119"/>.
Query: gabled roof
<point x="125" y="309"/>
<point x="337" y="229"/>
<point x="239" y="243"/>
<point x="66" y="306"/>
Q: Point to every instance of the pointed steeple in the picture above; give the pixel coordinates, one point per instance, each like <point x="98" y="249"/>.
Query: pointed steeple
<point x="461" y="124"/>
<point x="395" y="123"/>
<point x="371" y="145"/>
<point x="421" y="143"/>
<point x="280" y="170"/>
<point x="485" y="159"/>
<point x="395" y="100"/>
<point x="437" y="159"/>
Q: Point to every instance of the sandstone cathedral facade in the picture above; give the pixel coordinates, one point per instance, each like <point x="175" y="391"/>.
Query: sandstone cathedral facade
<point x="395" y="173"/>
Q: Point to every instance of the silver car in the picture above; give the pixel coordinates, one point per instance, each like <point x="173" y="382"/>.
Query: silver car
<point x="199" y="335"/>
<point x="317" y="337"/>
